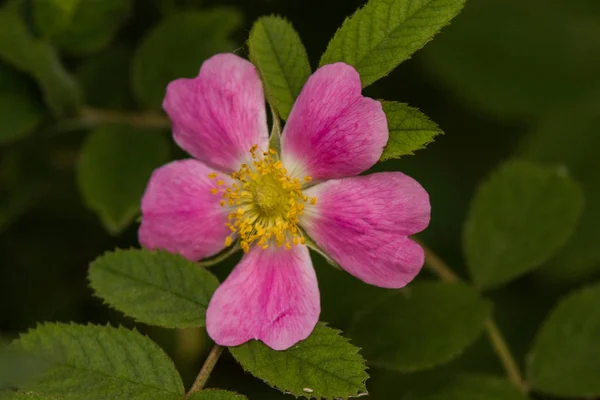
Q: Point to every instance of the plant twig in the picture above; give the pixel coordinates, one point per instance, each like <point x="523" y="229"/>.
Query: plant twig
<point x="445" y="273"/>
<point x="220" y="257"/>
<point x="92" y="117"/>
<point x="207" y="368"/>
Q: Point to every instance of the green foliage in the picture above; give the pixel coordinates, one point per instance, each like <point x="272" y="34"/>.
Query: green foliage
<point x="565" y="358"/>
<point x="384" y="33"/>
<point x="468" y="387"/>
<point x="519" y="218"/>
<point x="20" y="113"/>
<point x="409" y="337"/>
<point x="113" y="170"/>
<point x="17" y="367"/>
<point x="104" y="78"/>
<point x="323" y="365"/>
<point x="80" y="26"/>
<point x="37" y="58"/>
<point x="215" y="394"/>
<point x="157" y="288"/>
<point x="177" y="47"/>
<point x="571" y="137"/>
<point x="410" y="130"/>
<point x="515" y="72"/>
<point x="281" y="59"/>
<point x="100" y="362"/>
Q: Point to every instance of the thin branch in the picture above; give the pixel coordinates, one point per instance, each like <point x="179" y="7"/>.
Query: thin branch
<point x="445" y="273"/>
<point x="206" y="370"/>
<point x="221" y="256"/>
<point x="89" y="118"/>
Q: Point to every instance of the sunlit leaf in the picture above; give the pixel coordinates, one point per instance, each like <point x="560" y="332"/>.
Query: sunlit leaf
<point x="383" y="33"/>
<point x="157" y="288"/>
<point x="278" y="53"/>
<point x="324" y="365"/>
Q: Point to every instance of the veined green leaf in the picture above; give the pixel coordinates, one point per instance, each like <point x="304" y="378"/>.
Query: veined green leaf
<point x="325" y="365"/>
<point x="281" y="59"/>
<point x="519" y="218"/>
<point x="410" y="130"/>
<point x="100" y="362"/>
<point x="157" y="288"/>
<point x="384" y="33"/>
<point x="113" y="171"/>
<point x="565" y="358"/>
<point x="408" y="337"/>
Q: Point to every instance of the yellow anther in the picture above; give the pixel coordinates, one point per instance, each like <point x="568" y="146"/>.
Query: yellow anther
<point x="228" y="241"/>
<point x="266" y="203"/>
<point x="212" y="175"/>
<point x="214" y="191"/>
<point x="313" y="201"/>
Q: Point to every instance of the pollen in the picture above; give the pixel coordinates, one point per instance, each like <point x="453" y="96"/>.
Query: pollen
<point x="265" y="203"/>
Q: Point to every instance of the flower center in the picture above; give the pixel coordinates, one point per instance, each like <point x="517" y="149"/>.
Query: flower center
<point x="266" y="203"/>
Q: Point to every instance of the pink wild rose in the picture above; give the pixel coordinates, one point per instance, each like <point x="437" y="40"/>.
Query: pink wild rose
<point x="235" y="188"/>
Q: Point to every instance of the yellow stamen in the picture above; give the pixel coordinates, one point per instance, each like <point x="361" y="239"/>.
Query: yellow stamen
<point x="214" y="190"/>
<point x="265" y="203"/>
<point x="212" y="175"/>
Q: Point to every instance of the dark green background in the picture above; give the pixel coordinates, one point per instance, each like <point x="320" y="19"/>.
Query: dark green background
<point x="503" y="70"/>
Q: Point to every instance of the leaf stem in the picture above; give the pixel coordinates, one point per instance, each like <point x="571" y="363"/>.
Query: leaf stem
<point x="92" y="117"/>
<point x="220" y="257"/>
<point x="445" y="273"/>
<point x="207" y="368"/>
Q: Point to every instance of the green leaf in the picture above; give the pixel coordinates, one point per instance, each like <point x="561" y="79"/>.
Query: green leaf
<point x="468" y="387"/>
<point x="100" y="362"/>
<point x="81" y="26"/>
<point x="571" y="137"/>
<point x="324" y="365"/>
<point x="565" y="358"/>
<point x="24" y="396"/>
<point x="113" y="171"/>
<point x="384" y="33"/>
<point x="17" y="367"/>
<point x="419" y="327"/>
<point x="519" y="218"/>
<point x="410" y="130"/>
<point x="281" y="59"/>
<point x="157" y="288"/>
<point x="20" y="113"/>
<point x="490" y="67"/>
<point x="177" y="47"/>
<point x="216" y="394"/>
<point x="37" y="58"/>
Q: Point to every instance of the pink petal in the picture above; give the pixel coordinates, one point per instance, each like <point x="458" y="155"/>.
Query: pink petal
<point x="180" y="215"/>
<point x="272" y="295"/>
<point x="363" y="222"/>
<point x="219" y="115"/>
<point x="333" y="131"/>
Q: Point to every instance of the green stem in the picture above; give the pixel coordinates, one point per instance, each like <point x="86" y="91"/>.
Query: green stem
<point x="220" y="257"/>
<point x="91" y="118"/>
<point x="445" y="273"/>
<point x="206" y="370"/>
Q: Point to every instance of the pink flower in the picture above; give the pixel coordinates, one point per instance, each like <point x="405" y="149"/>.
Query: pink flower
<point x="238" y="189"/>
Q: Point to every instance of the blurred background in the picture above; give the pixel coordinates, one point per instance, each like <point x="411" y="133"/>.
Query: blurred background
<point x="508" y="78"/>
